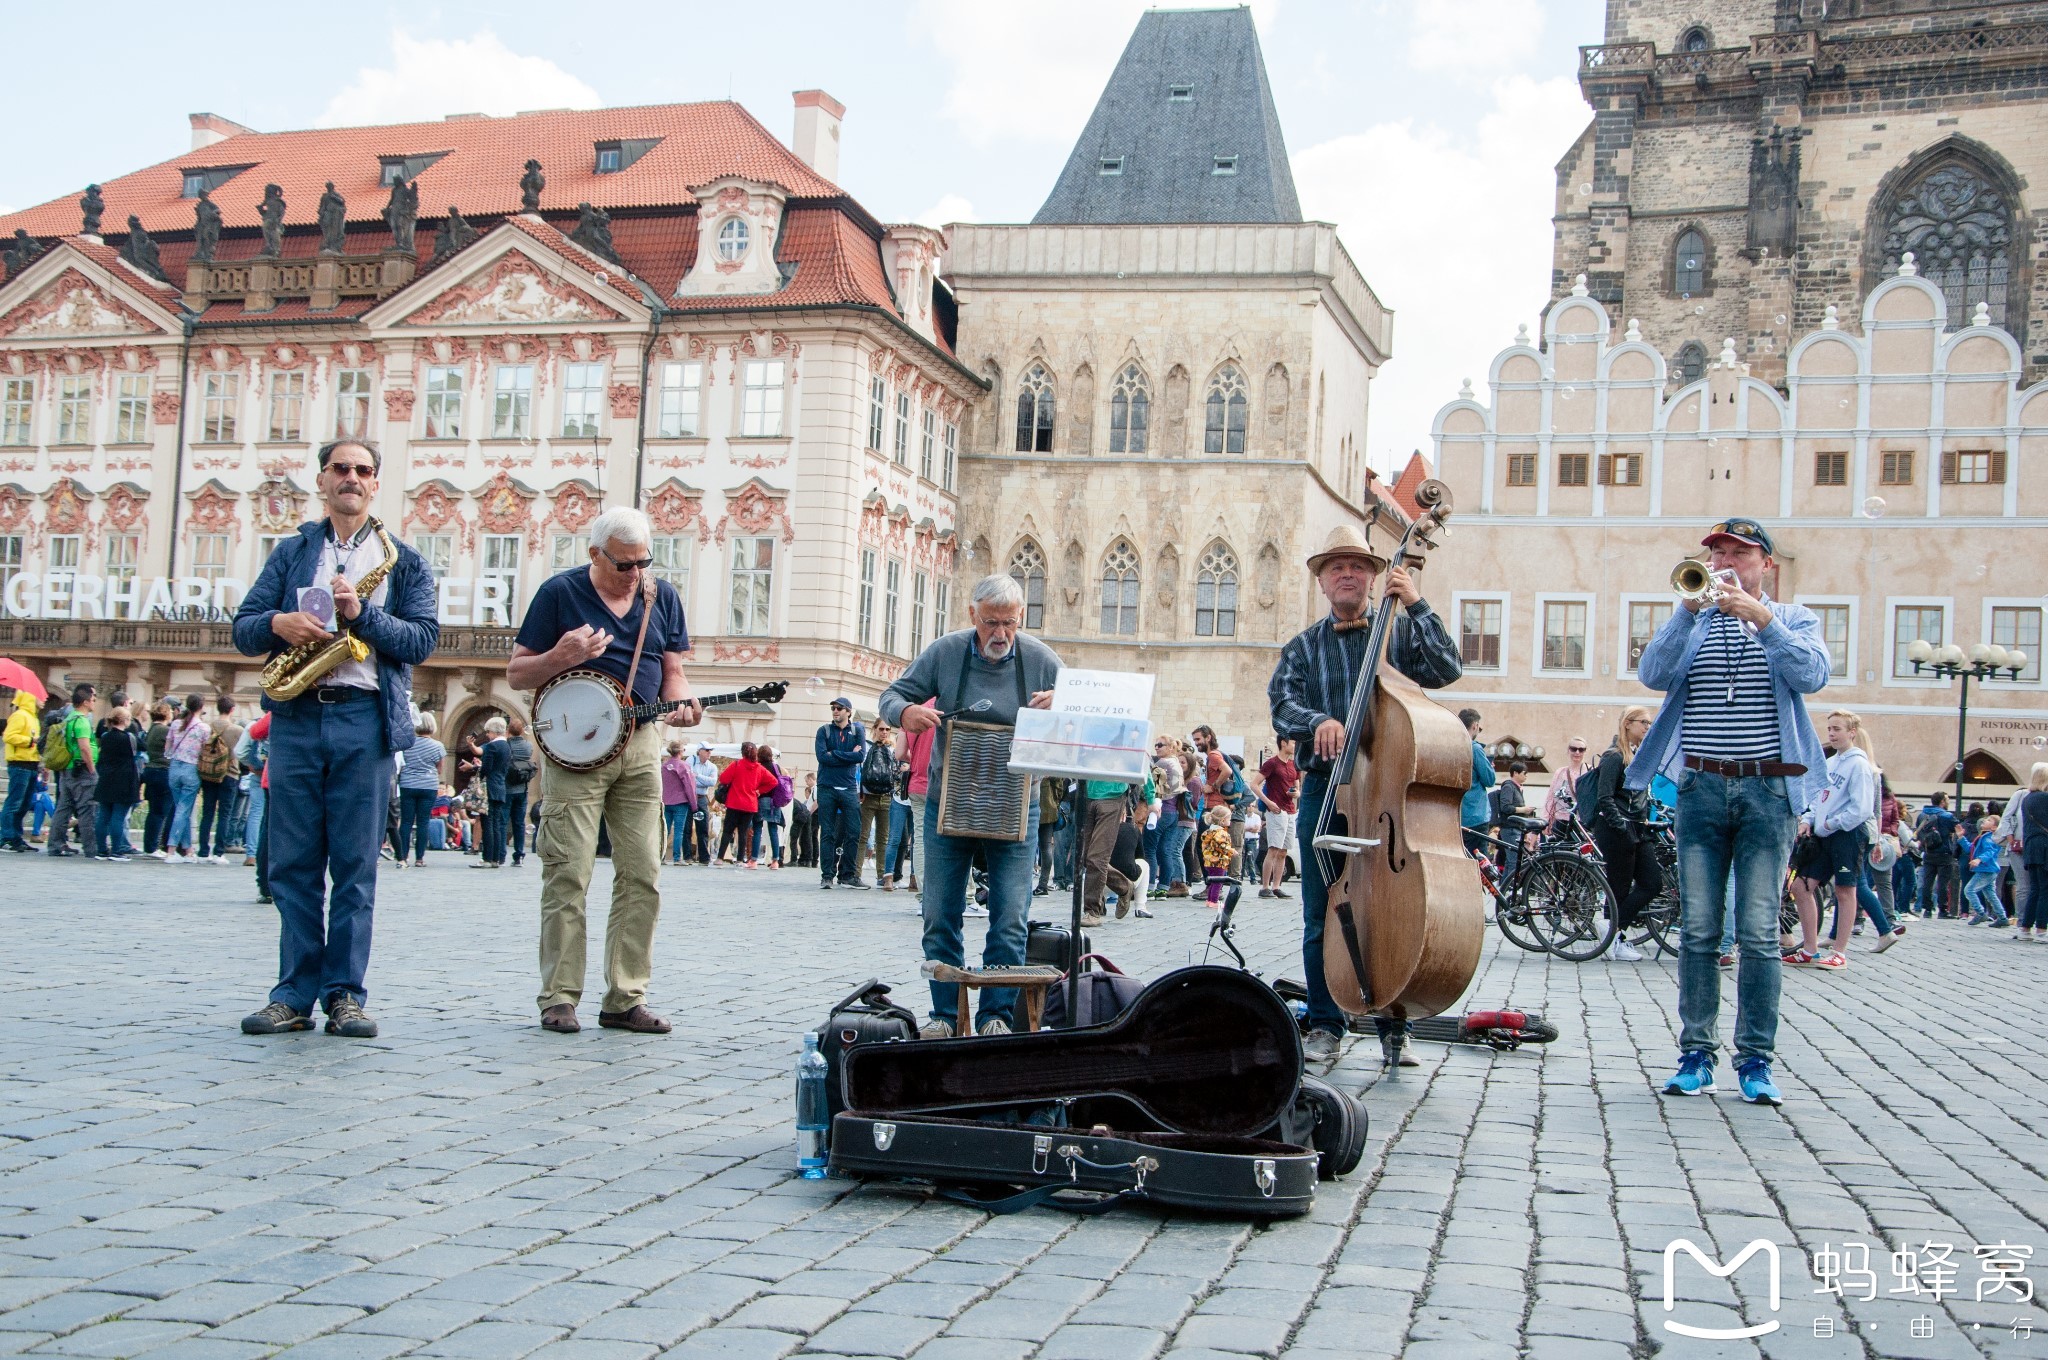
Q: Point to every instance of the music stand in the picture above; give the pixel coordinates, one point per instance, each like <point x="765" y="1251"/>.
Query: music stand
<point x="1056" y="743"/>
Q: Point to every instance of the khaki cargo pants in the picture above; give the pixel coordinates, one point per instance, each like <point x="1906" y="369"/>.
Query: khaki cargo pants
<point x="626" y="794"/>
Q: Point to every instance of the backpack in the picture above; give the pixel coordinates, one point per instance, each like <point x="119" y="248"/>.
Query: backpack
<point x="522" y="769"/>
<point x="57" y="751"/>
<point x="1936" y="838"/>
<point x="1506" y="798"/>
<point x="1235" y="789"/>
<point x="784" y="792"/>
<point x="1586" y="796"/>
<point x="878" y="769"/>
<point x="216" y="758"/>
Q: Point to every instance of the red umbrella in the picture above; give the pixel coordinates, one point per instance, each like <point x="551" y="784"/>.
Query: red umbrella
<point x="14" y="675"/>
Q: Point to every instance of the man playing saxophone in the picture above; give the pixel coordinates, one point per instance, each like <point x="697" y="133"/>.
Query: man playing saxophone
<point x="337" y="719"/>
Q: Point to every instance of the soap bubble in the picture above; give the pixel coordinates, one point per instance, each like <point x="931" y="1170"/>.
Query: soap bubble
<point x="1699" y="309"/>
<point x="1874" y="508"/>
<point x="603" y="277"/>
<point x="1685" y="297"/>
<point x="1569" y="393"/>
<point x="1843" y="403"/>
<point x="1779" y="318"/>
<point x="814" y="688"/>
<point x="2041" y="743"/>
<point x="1585" y="191"/>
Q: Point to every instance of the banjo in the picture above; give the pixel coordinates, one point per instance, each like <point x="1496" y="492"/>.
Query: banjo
<point x="581" y="719"/>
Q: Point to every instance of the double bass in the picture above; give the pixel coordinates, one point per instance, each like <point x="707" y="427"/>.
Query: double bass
<point x="1405" y="918"/>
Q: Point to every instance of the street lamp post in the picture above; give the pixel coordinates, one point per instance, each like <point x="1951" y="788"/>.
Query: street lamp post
<point x="1982" y="662"/>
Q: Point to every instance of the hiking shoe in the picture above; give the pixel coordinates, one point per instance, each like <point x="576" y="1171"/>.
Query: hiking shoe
<point x="1888" y="941"/>
<point x="345" y="1017"/>
<point x="1834" y="962"/>
<point x="993" y="1026"/>
<point x="935" y="1029"/>
<point x="1319" y="1046"/>
<point x="1695" y="1075"/>
<point x="1754" y="1076"/>
<point x="276" y="1018"/>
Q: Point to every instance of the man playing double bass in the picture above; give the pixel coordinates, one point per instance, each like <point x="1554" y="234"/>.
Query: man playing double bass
<point x="1310" y="694"/>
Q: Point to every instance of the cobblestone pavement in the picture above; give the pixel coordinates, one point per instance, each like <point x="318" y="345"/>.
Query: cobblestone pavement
<point x="470" y="1186"/>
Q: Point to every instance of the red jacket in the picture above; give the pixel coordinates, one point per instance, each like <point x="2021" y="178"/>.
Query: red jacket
<point x="917" y="749"/>
<point x="742" y="783"/>
<point x="260" y="731"/>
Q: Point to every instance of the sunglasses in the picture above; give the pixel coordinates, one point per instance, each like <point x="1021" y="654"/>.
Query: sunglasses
<point x="1576" y="750"/>
<point x="364" y="471"/>
<point x="637" y="564"/>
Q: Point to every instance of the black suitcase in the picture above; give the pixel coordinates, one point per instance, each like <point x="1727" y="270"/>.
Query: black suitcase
<point x="1045" y="942"/>
<point x="1167" y="1103"/>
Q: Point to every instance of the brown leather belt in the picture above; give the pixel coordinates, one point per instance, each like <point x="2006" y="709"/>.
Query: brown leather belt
<point x="1742" y="769"/>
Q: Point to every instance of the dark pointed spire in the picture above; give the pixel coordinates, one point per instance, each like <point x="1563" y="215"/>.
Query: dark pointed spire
<point x="1185" y="131"/>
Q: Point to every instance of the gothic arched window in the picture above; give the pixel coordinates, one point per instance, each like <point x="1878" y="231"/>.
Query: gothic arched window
<point x="1130" y="411"/>
<point x="1691" y="364"/>
<point x="1120" y="590"/>
<point x="1034" y="411"/>
<point x="1689" y="263"/>
<point x="1216" y="592"/>
<point x="1224" y="432"/>
<point x="1694" y="39"/>
<point x="1027" y="569"/>
<point x="1959" y="226"/>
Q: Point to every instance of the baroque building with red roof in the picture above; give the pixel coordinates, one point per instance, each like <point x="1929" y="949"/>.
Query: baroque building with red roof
<point x="532" y="317"/>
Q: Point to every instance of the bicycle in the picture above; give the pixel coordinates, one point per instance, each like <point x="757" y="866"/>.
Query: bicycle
<point x="1658" y="924"/>
<point x="1548" y="901"/>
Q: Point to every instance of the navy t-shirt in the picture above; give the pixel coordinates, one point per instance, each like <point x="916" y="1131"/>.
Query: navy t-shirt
<point x="568" y="601"/>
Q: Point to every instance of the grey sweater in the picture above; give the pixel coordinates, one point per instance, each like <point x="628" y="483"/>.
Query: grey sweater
<point x="990" y="694"/>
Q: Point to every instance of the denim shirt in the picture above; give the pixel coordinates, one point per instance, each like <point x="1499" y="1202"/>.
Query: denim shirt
<point x="1798" y="659"/>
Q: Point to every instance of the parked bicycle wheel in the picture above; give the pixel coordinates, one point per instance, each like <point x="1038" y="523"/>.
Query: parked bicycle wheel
<point x="1511" y="914"/>
<point x="1658" y="925"/>
<point x="1569" y="907"/>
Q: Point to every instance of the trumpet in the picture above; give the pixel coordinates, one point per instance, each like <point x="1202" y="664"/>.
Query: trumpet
<point x="1693" y="581"/>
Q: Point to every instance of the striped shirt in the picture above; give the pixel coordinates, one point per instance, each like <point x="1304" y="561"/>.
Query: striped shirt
<point x="1730" y="708"/>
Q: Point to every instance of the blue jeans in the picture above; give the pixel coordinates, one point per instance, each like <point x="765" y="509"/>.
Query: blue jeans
<point x="184" y="793"/>
<point x="415" y="811"/>
<point x="495" y="826"/>
<point x="515" y="820"/>
<point x="839" y="834"/>
<point x="1742" y="826"/>
<point x="156" y="788"/>
<point x="328" y="763"/>
<point x="110" y="835"/>
<point x="1166" y="848"/>
<point x="252" y="832"/>
<point x="677" y="817"/>
<point x="1323" y="1011"/>
<point x="1982" y="890"/>
<point x="943" y="891"/>
<point x="899" y="834"/>
<point x="21" y="782"/>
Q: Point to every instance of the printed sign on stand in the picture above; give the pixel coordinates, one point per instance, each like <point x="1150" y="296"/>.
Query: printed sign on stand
<point x="1097" y="728"/>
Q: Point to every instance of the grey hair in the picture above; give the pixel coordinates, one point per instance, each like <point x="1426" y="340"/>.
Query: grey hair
<point x="426" y="725"/>
<point x="495" y="726"/>
<point x="998" y="589"/>
<point x="621" y="525"/>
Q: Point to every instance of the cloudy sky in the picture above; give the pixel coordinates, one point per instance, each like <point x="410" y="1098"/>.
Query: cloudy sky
<point x="1426" y="129"/>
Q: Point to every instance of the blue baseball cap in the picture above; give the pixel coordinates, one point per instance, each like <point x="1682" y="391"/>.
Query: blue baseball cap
<point x="1742" y="531"/>
<point x="843" y="702"/>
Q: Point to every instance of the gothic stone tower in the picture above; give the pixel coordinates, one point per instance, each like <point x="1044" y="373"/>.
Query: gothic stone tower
<point x="1178" y="370"/>
<point x="1751" y="161"/>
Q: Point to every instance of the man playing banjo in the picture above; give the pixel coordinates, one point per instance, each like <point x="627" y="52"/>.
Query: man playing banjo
<point x="613" y="618"/>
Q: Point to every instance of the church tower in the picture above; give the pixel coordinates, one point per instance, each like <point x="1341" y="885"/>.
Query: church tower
<point x="1178" y="368"/>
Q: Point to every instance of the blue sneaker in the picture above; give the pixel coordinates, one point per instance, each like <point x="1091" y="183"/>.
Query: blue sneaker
<point x="1754" y="1076"/>
<point x="1695" y="1075"/>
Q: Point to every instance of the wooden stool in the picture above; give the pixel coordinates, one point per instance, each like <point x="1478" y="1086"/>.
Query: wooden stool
<point x="1030" y="980"/>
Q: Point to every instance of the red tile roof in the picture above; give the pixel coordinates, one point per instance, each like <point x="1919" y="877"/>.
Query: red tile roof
<point x="480" y="174"/>
<point x="1413" y="475"/>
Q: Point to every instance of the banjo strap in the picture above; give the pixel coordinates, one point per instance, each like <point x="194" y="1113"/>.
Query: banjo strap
<point x="647" y="589"/>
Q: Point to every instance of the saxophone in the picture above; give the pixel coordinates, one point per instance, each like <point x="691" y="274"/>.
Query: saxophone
<point x="297" y="669"/>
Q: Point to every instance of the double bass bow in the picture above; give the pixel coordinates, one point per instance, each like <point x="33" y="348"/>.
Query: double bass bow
<point x="1405" y="918"/>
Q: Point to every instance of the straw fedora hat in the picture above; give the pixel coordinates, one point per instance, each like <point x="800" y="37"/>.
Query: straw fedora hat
<point x="1346" y="541"/>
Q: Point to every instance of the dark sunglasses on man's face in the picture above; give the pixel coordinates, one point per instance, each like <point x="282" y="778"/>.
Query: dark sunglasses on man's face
<point x="364" y="471"/>
<point x="637" y="564"/>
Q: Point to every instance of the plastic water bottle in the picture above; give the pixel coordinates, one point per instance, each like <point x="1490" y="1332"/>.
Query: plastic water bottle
<point x="812" y="1113"/>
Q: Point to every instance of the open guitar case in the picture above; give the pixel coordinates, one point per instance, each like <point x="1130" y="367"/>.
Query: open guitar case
<point x="1193" y="1096"/>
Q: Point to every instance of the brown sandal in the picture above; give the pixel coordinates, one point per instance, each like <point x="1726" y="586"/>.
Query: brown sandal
<point x="561" y="1019"/>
